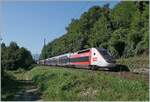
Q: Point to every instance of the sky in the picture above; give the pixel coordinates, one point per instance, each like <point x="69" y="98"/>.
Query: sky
<point x="29" y="22"/>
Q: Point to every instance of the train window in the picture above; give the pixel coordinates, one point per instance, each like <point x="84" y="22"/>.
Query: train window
<point x="80" y="59"/>
<point x="104" y="53"/>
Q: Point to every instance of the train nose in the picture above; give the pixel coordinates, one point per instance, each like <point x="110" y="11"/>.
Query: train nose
<point x="111" y="65"/>
<point x="111" y="60"/>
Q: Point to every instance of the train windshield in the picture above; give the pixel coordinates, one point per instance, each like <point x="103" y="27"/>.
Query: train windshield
<point x="104" y="53"/>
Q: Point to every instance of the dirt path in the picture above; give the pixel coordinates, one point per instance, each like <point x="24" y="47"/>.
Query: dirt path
<point x="28" y="92"/>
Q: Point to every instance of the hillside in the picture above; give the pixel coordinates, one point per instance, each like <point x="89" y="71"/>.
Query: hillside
<point x="122" y="30"/>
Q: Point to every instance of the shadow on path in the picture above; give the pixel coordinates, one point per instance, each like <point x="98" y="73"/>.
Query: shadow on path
<point x="28" y="92"/>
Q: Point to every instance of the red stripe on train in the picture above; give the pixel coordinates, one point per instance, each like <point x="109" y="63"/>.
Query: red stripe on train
<point x="79" y="63"/>
<point x="90" y="53"/>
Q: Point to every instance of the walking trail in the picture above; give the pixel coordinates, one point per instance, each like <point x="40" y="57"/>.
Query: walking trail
<point x="28" y="91"/>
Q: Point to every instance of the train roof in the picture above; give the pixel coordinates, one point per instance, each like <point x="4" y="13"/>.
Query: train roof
<point x="85" y="50"/>
<point x="62" y="55"/>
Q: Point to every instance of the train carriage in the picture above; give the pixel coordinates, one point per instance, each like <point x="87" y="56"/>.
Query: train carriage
<point x="80" y="58"/>
<point x="63" y="59"/>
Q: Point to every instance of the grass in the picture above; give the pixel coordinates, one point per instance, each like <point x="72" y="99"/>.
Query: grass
<point x="64" y="84"/>
<point x="138" y="62"/>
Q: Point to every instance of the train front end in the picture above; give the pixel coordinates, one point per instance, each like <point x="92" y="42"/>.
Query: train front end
<point x="101" y="58"/>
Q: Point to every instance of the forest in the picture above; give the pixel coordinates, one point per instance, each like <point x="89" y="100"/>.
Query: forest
<point x="15" y="57"/>
<point x="122" y="30"/>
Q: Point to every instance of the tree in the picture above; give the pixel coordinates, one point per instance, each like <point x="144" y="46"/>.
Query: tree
<point x="14" y="57"/>
<point x="118" y="42"/>
<point x="145" y="28"/>
<point x="100" y="33"/>
<point x="3" y="45"/>
<point x="138" y="34"/>
<point x="13" y="45"/>
<point x="122" y="14"/>
<point x="87" y="21"/>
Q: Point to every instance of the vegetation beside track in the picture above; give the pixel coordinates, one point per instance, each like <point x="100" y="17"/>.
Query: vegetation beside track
<point x="8" y="87"/>
<point x="76" y="84"/>
<point x="135" y="63"/>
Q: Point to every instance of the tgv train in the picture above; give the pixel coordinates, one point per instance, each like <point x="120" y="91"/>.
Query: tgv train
<point x="88" y="58"/>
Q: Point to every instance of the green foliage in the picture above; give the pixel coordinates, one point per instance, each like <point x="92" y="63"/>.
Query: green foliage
<point x="8" y="86"/>
<point x="13" y="45"/>
<point x="118" y="42"/>
<point x="14" y="57"/>
<point x="61" y="84"/>
<point x="135" y="63"/>
<point x="100" y="33"/>
<point x="122" y="13"/>
<point x="123" y="30"/>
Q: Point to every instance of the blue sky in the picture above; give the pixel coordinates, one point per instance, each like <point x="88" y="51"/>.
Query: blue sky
<point x="29" y="22"/>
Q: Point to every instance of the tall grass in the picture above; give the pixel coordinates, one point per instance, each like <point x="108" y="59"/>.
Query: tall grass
<point x="138" y="62"/>
<point x="76" y="84"/>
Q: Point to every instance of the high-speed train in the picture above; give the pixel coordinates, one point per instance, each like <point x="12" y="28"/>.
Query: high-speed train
<point x="88" y="58"/>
